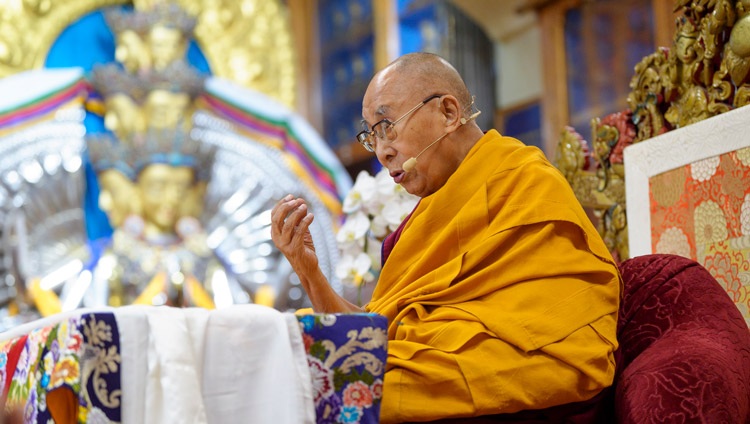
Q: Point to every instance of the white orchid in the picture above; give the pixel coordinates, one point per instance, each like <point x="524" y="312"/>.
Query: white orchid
<point x="361" y="193"/>
<point x="355" y="227"/>
<point x="374" y="207"/>
<point x="385" y="185"/>
<point x="395" y="212"/>
<point x="379" y="226"/>
<point x="352" y="269"/>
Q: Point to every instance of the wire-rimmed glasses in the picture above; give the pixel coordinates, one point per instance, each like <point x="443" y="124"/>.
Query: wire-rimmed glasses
<point x="383" y="130"/>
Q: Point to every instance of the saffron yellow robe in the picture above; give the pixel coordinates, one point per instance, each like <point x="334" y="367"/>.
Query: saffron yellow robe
<point x="500" y="294"/>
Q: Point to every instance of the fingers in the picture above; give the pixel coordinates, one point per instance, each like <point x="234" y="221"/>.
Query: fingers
<point x="289" y="219"/>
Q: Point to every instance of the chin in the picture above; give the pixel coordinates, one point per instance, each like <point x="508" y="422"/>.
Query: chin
<point x="413" y="192"/>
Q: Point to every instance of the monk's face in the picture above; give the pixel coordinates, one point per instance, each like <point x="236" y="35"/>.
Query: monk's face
<point x="390" y="95"/>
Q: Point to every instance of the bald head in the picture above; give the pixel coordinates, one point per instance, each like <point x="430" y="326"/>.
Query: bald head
<point x="425" y="101"/>
<point x="426" y="74"/>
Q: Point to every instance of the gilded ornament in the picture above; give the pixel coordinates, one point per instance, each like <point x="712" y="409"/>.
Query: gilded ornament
<point x="246" y="42"/>
<point x="739" y="38"/>
<point x="594" y="183"/>
<point x="647" y="98"/>
<point x="27" y="32"/>
<point x="572" y="152"/>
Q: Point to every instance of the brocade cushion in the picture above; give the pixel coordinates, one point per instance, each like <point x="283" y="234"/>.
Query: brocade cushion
<point x="685" y="348"/>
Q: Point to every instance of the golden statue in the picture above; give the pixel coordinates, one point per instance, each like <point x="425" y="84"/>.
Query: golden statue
<point x="176" y="239"/>
<point x="158" y="254"/>
<point x="691" y="104"/>
<point x="152" y="173"/>
<point x="152" y="38"/>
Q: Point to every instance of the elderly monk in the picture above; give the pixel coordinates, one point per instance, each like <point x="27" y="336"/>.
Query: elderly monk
<point x="500" y="294"/>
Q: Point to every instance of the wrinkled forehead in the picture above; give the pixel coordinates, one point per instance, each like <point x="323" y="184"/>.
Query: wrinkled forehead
<point x="384" y="97"/>
<point x="380" y="107"/>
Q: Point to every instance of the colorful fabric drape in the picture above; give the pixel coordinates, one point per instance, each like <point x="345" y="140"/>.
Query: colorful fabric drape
<point x="69" y="371"/>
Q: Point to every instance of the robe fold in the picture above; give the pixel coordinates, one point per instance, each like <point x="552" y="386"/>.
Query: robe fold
<point x="500" y="294"/>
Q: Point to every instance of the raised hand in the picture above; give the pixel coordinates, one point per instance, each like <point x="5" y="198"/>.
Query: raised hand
<point x="290" y="231"/>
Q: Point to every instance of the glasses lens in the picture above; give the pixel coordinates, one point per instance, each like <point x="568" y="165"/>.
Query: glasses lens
<point x="365" y="139"/>
<point x="382" y="130"/>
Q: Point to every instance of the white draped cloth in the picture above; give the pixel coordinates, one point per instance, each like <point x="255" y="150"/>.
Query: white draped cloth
<point x="238" y="364"/>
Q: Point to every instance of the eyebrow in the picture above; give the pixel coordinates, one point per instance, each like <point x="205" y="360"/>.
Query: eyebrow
<point x="379" y="112"/>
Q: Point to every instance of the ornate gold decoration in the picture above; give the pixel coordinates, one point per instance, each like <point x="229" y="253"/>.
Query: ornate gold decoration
<point x="597" y="177"/>
<point x="705" y="72"/>
<point x="28" y="29"/>
<point x="247" y="42"/>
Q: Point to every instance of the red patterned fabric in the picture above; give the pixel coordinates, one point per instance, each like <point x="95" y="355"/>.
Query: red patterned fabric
<point x="702" y="211"/>
<point x="685" y="346"/>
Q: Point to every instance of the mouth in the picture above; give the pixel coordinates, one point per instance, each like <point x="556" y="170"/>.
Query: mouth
<point x="397" y="176"/>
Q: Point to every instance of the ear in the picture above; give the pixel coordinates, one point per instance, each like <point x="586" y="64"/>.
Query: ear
<point x="451" y="110"/>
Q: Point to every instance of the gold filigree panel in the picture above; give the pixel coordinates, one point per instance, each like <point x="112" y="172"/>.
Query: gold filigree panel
<point x="29" y="27"/>
<point x="248" y="42"/>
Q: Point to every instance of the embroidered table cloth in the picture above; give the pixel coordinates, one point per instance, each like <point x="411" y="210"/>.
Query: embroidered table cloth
<point x="140" y="364"/>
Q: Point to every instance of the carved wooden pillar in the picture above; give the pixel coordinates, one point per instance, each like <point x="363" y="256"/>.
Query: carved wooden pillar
<point x="387" y="45"/>
<point x="304" y="23"/>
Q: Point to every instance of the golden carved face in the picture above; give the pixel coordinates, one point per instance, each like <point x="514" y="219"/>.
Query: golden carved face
<point x="165" y="109"/>
<point x="123" y="116"/>
<point x="117" y="197"/>
<point x="192" y="205"/>
<point x="162" y="190"/>
<point x="165" y="45"/>
<point x="131" y="51"/>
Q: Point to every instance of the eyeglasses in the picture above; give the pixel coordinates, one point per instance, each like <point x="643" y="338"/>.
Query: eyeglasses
<point x="383" y="130"/>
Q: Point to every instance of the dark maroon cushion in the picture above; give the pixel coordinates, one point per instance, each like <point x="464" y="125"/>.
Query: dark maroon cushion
<point x="685" y="347"/>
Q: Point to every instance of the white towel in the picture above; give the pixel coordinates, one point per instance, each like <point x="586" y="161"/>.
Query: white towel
<point x="238" y="364"/>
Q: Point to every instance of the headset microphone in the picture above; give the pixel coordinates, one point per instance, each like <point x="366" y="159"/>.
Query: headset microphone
<point x="411" y="163"/>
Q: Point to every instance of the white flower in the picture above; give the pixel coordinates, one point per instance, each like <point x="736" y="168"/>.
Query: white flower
<point x="361" y="193"/>
<point x="384" y="184"/>
<point x="395" y="212"/>
<point x="379" y="226"/>
<point x="355" y="227"/>
<point x="352" y="269"/>
<point x="375" y="206"/>
<point x="374" y="252"/>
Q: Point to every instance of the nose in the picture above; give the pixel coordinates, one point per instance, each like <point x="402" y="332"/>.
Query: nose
<point x="385" y="152"/>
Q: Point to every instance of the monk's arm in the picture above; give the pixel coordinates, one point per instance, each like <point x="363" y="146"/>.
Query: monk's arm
<point x="324" y="299"/>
